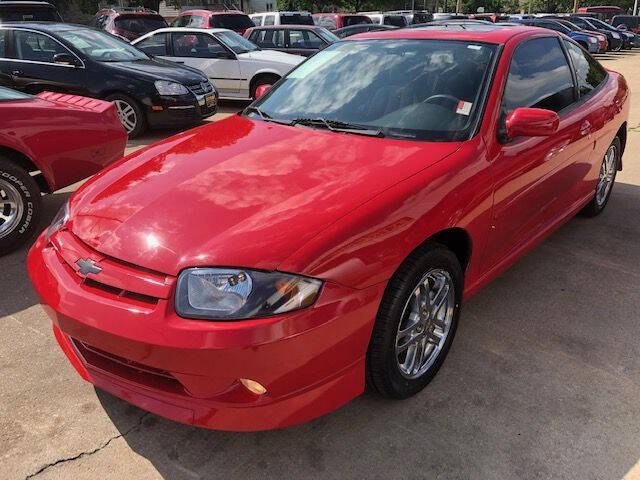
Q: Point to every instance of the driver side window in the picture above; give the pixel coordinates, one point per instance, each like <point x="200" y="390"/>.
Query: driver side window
<point x="197" y="45"/>
<point x="35" y="47"/>
<point x="154" y="45"/>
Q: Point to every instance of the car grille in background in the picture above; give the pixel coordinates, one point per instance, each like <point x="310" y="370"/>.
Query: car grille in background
<point x="201" y="88"/>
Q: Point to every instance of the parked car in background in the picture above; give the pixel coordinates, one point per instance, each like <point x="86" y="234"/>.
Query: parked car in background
<point x="333" y="21"/>
<point x="519" y="16"/>
<point x="28" y="12"/>
<point x="491" y="17"/>
<point x="630" y="23"/>
<point x="48" y="142"/>
<point x="258" y="271"/>
<point x="228" y="19"/>
<point x="379" y="18"/>
<point x="628" y="38"/>
<point x="414" y="16"/>
<point x="361" y="28"/>
<point x="84" y="61"/>
<point x="606" y="12"/>
<point x="281" y="18"/>
<point x="602" y="38"/>
<point x="235" y="65"/>
<point x="614" y="39"/>
<point x="128" y="22"/>
<point x="302" y="40"/>
<point x="449" y="16"/>
<point x="459" y="24"/>
<point x="589" y="42"/>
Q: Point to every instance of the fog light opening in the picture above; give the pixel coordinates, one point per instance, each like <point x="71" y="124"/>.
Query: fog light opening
<point x="253" y="386"/>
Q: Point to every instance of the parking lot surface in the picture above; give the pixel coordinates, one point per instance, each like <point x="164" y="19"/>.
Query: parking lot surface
<point x="542" y="381"/>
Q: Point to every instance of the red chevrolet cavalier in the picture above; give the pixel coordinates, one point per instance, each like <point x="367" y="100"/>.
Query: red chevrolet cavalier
<point x="256" y="272"/>
<point x="48" y="142"/>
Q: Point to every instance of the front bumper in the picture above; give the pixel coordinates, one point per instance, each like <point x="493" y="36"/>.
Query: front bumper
<point x="181" y="110"/>
<point x="134" y="345"/>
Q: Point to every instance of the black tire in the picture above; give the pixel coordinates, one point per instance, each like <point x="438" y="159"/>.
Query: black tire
<point x="263" y="79"/>
<point x="595" y="207"/>
<point x="618" y="48"/>
<point x="140" y="117"/>
<point x="17" y="186"/>
<point x="383" y="372"/>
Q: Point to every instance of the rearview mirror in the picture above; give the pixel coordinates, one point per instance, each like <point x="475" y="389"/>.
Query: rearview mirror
<point x="64" y="59"/>
<point x="261" y="90"/>
<point x="531" y="122"/>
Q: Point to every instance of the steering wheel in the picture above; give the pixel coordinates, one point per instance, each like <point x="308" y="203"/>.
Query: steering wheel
<point x="442" y="96"/>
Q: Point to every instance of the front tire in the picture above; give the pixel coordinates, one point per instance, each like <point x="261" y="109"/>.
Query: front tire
<point x="606" y="179"/>
<point x="416" y="322"/>
<point x="130" y="113"/>
<point x="20" y="206"/>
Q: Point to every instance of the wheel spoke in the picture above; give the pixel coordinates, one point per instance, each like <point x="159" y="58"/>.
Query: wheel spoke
<point x="438" y="300"/>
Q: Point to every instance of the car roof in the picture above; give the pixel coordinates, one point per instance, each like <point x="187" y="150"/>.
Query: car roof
<point x="31" y="4"/>
<point x="211" y="12"/>
<point x="477" y="33"/>
<point x="287" y="27"/>
<point x="47" y="27"/>
<point x="188" y="29"/>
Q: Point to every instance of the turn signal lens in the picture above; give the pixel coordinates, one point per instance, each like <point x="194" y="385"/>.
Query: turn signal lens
<point x="253" y="386"/>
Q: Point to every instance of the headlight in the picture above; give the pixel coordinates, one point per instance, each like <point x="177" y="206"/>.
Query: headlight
<point x="593" y="40"/>
<point x="58" y="221"/>
<point x="170" y="88"/>
<point x="615" y="35"/>
<point x="233" y="294"/>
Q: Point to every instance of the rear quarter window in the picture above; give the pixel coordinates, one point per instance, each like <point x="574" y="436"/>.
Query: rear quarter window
<point x="589" y="72"/>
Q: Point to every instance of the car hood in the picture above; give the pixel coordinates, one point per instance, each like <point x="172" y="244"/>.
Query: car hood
<point x="237" y="192"/>
<point x="273" y="56"/>
<point x="157" y="69"/>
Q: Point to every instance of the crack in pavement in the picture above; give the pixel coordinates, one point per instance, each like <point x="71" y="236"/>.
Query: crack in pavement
<point x="137" y="425"/>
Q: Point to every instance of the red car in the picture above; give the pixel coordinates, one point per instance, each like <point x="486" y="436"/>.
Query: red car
<point x="46" y="143"/>
<point x="333" y="21"/>
<point x="128" y="22"/>
<point x="254" y="273"/>
<point x="229" y="19"/>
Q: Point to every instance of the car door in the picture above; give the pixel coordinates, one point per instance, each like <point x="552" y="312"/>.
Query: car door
<point x="34" y="66"/>
<point x="536" y="177"/>
<point x="204" y="52"/>
<point x="155" y="45"/>
<point x="6" y="80"/>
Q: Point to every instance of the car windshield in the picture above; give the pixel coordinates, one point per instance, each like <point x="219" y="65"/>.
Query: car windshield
<point x="349" y="20"/>
<point x="569" y="25"/>
<point x="236" y="42"/>
<point x="403" y="88"/>
<point x="602" y="25"/>
<point x="231" y="21"/>
<point x="140" y="23"/>
<point x="28" y="14"/>
<point x="295" y="19"/>
<point x="326" y="35"/>
<point x="101" y="46"/>
<point x="7" y="95"/>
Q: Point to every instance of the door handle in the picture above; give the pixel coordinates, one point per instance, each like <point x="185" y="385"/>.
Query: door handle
<point x="178" y="61"/>
<point x="17" y="73"/>
<point x="585" y="128"/>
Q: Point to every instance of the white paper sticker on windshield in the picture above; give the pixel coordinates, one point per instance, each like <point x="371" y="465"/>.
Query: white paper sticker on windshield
<point x="464" y="108"/>
<point x="474" y="47"/>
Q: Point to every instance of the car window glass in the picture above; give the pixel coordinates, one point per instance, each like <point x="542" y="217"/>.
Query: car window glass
<point x="588" y="72"/>
<point x="154" y="45"/>
<point x="7" y="95"/>
<point x="2" y="45"/>
<point x="181" y="21"/>
<point x="539" y="77"/>
<point x="36" y="47"/>
<point x="269" y="19"/>
<point x="195" y="21"/>
<point x="304" y="39"/>
<point x="269" y="39"/>
<point x="197" y="45"/>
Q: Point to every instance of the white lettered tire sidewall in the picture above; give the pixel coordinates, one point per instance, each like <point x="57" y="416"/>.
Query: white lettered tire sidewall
<point x="30" y="196"/>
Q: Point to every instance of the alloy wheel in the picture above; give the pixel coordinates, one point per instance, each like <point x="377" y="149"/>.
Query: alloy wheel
<point x="127" y="115"/>
<point x="425" y="323"/>
<point x="607" y="175"/>
<point x="11" y="208"/>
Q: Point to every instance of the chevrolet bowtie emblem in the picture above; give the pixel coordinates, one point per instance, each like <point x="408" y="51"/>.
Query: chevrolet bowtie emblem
<point x="85" y="267"/>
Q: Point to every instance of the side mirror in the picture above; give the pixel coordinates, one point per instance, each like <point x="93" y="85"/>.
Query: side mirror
<point x="531" y="122"/>
<point x="64" y="59"/>
<point x="261" y="90"/>
<point x="622" y="27"/>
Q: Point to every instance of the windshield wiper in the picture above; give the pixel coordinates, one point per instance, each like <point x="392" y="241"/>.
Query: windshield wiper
<point x="338" y="126"/>
<point x="265" y="116"/>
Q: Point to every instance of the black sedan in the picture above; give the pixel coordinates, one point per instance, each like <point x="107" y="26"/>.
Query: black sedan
<point x="616" y="41"/>
<point x="83" y="61"/>
<point x="302" y="40"/>
<point x="361" y="28"/>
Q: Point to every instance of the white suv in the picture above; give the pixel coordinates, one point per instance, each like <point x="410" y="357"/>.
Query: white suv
<point x="281" y="18"/>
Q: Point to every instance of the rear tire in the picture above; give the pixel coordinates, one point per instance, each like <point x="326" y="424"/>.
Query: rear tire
<point x="606" y="180"/>
<point x="264" y="79"/>
<point x="409" y="318"/>
<point x="130" y="113"/>
<point x="20" y="206"/>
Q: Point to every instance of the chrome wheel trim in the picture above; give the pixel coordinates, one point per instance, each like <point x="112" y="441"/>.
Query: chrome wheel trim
<point x="425" y="323"/>
<point x="11" y="208"/>
<point x="127" y="115"/>
<point x="607" y="175"/>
